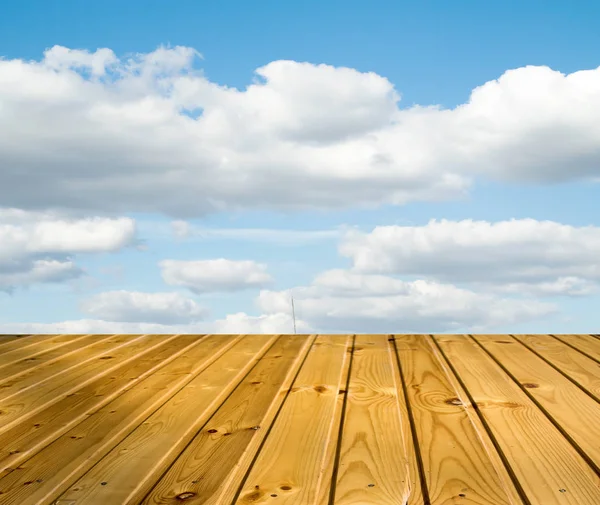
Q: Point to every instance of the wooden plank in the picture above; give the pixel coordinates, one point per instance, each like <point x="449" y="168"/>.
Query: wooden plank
<point x="415" y="485"/>
<point x="577" y="415"/>
<point x="586" y="344"/>
<point x="25" y="347"/>
<point x="330" y="459"/>
<point x="210" y="469"/>
<point x="455" y="462"/>
<point x="12" y="340"/>
<point x="26" y="439"/>
<point x="35" y="363"/>
<point x="42" y="478"/>
<point x="548" y="468"/>
<point x="133" y="466"/>
<point x="579" y="368"/>
<point x="19" y="404"/>
<point x="5" y="338"/>
<point x="37" y="376"/>
<point x="290" y="463"/>
<point x="373" y="467"/>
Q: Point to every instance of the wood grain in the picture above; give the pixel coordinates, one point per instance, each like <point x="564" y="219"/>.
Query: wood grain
<point x="290" y="464"/>
<point x="456" y="465"/>
<point x="373" y="466"/>
<point x="582" y="370"/>
<point x="30" y="393"/>
<point x="37" y="364"/>
<point x="42" y="478"/>
<point x="549" y="470"/>
<point x="25" y="347"/>
<point x="210" y="469"/>
<point x="5" y="337"/>
<point x="136" y="463"/>
<point x="586" y="344"/>
<point x="299" y="419"/>
<point x="575" y="412"/>
<point x="27" y="438"/>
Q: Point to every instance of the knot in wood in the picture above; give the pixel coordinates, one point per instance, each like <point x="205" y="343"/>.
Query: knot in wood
<point x="185" y="496"/>
<point x="453" y="401"/>
<point x="530" y="385"/>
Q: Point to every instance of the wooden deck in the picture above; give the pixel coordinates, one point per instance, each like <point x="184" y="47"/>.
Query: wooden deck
<point x="299" y="419"/>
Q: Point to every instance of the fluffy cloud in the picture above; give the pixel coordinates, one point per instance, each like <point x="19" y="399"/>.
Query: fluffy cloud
<point x="150" y="133"/>
<point x="203" y="276"/>
<point x="25" y="273"/>
<point x="134" y="307"/>
<point x="340" y="300"/>
<point x="336" y="301"/>
<point x="538" y="257"/>
<point x="37" y="247"/>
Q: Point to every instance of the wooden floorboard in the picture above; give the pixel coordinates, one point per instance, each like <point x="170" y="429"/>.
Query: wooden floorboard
<point x="300" y="419"/>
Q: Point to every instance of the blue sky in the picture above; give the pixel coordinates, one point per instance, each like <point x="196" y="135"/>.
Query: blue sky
<point x="318" y="178"/>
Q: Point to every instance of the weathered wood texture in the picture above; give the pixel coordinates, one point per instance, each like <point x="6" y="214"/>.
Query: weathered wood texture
<point x="299" y="419"/>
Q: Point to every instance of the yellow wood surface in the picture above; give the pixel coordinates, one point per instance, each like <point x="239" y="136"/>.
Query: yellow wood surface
<point x="587" y="344"/>
<point x="299" y="419"/>
<point x="26" y="438"/>
<point x="212" y="466"/>
<point x="548" y="468"/>
<point x="571" y="409"/>
<point x="4" y="338"/>
<point x="23" y="397"/>
<point x="36" y="361"/>
<point x="134" y="465"/>
<point x="448" y="441"/>
<point x="290" y="463"/>
<point x="25" y="347"/>
<point x="579" y="368"/>
<point x="42" y="478"/>
<point x="373" y="464"/>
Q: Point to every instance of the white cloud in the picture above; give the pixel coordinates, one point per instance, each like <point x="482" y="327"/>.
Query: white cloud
<point x="33" y="233"/>
<point x="537" y="257"/>
<point x="180" y="229"/>
<point x="203" y="276"/>
<point x="340" y="300"/>
<point x="240" y="323"/>
<point x="185" y="230"/>
<point x="266" y="323"/>
<point x="25" y="273"/>
<point x="82" y="326"/>
<point x="96" y="133"/>
<point x="38" y="247"/>
<point x="133" y="307"/>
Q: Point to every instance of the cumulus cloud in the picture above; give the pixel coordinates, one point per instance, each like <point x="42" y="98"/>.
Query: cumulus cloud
<point x="204" y="276"/>
<point x="150" y="133"/>
<point x="25" y="273"/>
<point x="135" y="307"/>
<point x="37" y="247"/>
<point x="341" y="300"/>
<point x="525" y="255"/>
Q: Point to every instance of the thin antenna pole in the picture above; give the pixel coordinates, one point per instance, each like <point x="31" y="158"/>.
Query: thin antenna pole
<point x="294" y="314"/>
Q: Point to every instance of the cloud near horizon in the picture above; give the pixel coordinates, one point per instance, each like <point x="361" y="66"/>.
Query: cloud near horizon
<point x="99" y="134"/>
